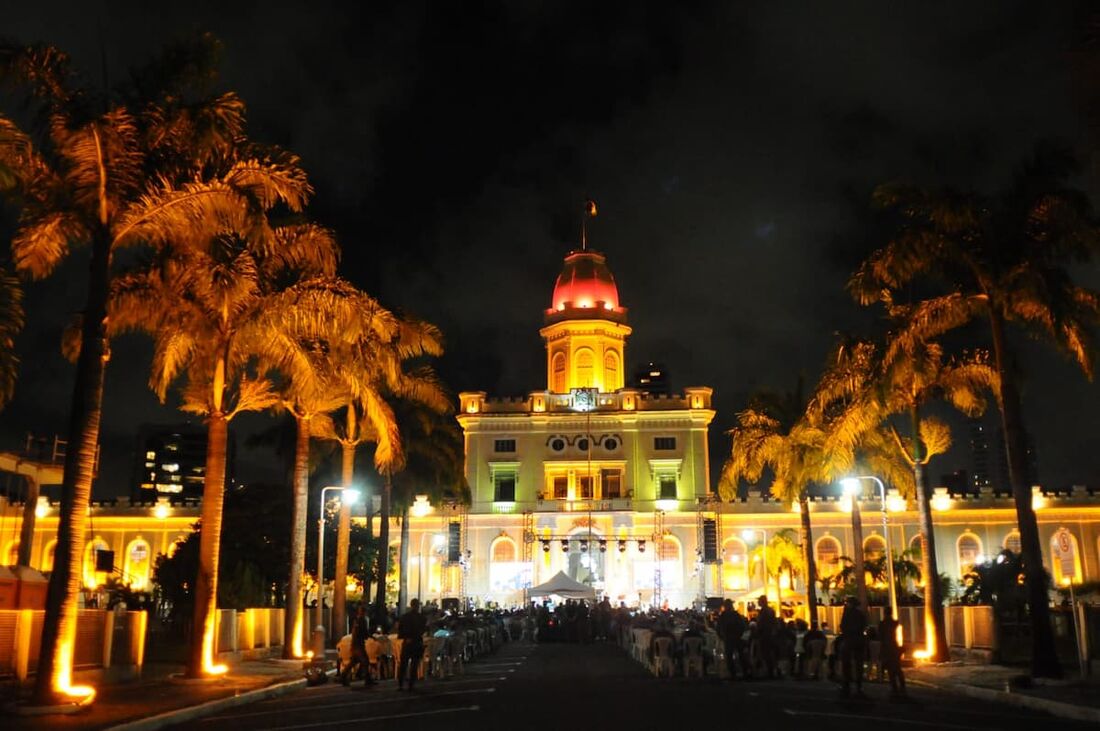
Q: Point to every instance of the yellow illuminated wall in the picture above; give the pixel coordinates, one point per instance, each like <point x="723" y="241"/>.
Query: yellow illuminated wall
<point x="585" y="354"/>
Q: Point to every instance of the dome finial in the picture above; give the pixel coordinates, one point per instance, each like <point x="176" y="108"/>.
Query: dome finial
<point x="589" y="212"/>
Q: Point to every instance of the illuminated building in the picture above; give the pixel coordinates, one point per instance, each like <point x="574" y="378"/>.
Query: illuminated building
<point x="171" y="461"/>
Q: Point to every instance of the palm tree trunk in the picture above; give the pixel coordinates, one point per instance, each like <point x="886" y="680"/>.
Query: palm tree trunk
<point x="857" y="540"/>
<point x="808" y="556"/>
<point x="26" y="530"/>
<point x="403" y="558"/>
<point x="203" y="642"/>
<point x="935" y="626"/>
<point x="1044" y="659"/>
<point x="293" y="644"/>
<point x="343" y="538"/>
<point x="383" y="551"/>
<point x="59" y="626"/>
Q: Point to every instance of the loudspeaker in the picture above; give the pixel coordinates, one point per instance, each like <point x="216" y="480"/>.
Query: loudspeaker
<point x="104" y="561"/>
<point x="710" y="540"/>
<point x="454" y="542"/>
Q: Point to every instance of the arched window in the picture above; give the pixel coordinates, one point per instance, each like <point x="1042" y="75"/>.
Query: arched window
<point x="585" y="363"/>
<point x="47" y="557"/>
<point x="969" y="548"/>
<point x="874" y="548"/>
<point x="915" y="551"/>
<point x="827" y="556"/>
<point x="611" y="371"/>
<point x="504" y="571"/>
<point x="1065" y="556"/>
<point x="11" y="553"/>
<point x="1012" y="542"/>
<point x="504" y="550"/>
<point x="734" y="565"/>
<point x="671" y="568"/>
<point x="92" y="578"/>
<point x="138" y="562"/>
<point x="560" y="380"/>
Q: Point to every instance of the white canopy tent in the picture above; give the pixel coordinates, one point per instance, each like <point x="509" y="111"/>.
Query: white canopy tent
<point x="561" y="585"/>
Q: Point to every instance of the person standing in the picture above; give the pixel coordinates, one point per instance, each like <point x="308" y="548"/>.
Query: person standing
<point x="410" y="630"/>
<point x="767" y="629"/>
<point x="359" y="658"/>
<point x="731" y="628"/>
<point x="853" y="624"/>
<point x="890" y="656"/>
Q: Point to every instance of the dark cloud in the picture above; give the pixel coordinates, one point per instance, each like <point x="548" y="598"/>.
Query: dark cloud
<point x="732" y="148"/>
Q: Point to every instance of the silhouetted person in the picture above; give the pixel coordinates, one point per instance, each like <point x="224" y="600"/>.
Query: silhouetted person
<point x="359" y="633"/>
<point x="410" y="630"/>
<point x="731" y="628"/>
<point x="767" y="628"/>
<point x="890" y="655"/>
<point x="853" y="623"/>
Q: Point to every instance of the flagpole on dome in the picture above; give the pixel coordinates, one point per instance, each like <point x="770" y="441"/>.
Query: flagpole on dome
<point x="589" y="212"/>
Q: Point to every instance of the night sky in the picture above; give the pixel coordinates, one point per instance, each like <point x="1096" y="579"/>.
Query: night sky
<point x="732" y="151"/>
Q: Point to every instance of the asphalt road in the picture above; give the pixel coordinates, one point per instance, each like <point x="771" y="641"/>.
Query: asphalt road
<point x="596" y="686"/>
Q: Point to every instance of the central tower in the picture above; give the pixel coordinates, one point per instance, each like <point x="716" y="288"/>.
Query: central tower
<point x="585" y="330"/>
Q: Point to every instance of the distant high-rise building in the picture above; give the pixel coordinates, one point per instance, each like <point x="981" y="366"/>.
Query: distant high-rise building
<point x="957" y="482"/>
<point x="171" y="461"/>
<point x="980" y="476"/>
<point x="1031" y="462"/>
<point x="652" y="378"/>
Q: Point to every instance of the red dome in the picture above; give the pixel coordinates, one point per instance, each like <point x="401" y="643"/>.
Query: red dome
<point x="585" y="282"/>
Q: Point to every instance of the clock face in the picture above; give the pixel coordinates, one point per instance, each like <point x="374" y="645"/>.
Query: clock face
<point x="584" y="399"/>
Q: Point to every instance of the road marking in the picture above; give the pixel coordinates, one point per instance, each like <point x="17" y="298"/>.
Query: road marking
<point x="376" y="701"/>
<point x="377" y="718"/>
<point x="885" y="719"/>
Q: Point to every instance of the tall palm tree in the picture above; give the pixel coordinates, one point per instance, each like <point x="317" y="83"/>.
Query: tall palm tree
<point x="11" y="322"/>
<point x="109" y="170"/>
<point x="900" y="379"/>
<point x="1003" y="259"/>
<point x="776" y="432"/>
<point x="209" y="304"/>
<point x="434" y="466"/>
<point x="328" y="331"/>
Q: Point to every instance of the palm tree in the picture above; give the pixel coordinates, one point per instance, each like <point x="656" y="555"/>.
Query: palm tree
<point x="776" y="432"/>
<point x="784" y="555"/>
<point x="1003" y="259"/>
<point x="11" y="322"/>
<point x="210" y="304"/>
<point x="434" y="466"/>
<point x="106" y="175"/>
<point x="329" y="332"/>
<point x="901" y="378"/>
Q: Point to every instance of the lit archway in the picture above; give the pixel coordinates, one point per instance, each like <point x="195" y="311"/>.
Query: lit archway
<point x="560" y="377"/>
<point x="672" y="570"/>
<point x="504" y="569"/>
<point x="874" y="548"/>
<point x="1012" y="542"/>
<point x="735" y="567"/>
<point x="585" y="364"/>
<point x="1065" y="556"/>
<point x="137" y="564"/>
<point x="611" y="371"/>
<point x="93" y="578"/>
<point x="47" y="557"/>
<point x="11" y="553"/>
<point x="969" y="550"/>
<point x="827" y="556"/>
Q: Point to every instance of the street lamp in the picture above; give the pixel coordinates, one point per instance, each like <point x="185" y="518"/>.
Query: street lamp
<point x="351" y="496"/>
<point x="853" y="487"/>
<point x="748" y="534"/>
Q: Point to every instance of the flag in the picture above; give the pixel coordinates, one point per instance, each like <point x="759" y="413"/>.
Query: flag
<point x="590" y="208"/>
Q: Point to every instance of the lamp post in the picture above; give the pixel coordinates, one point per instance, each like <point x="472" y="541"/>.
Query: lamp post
<point x="853" y="487"/>
<point x="748" y="534"/>
<point x="351" y="496"/>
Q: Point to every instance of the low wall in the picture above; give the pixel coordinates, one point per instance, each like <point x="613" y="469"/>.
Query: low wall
<point x="247" y="633"/>
<point x="107" y="641"/>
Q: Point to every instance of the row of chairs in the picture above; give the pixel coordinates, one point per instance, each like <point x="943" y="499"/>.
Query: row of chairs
<point x="443" y="656"/>
<point x="659" y="657"/>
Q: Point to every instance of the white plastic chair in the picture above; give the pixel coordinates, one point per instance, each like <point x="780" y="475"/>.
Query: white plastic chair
<point x="662" y="657"/>
<point x="693" y="657"/>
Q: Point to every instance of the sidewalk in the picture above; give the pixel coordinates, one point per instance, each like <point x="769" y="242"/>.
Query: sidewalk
<point x="126" y="702"/>
<point x="1067" y="698"/>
